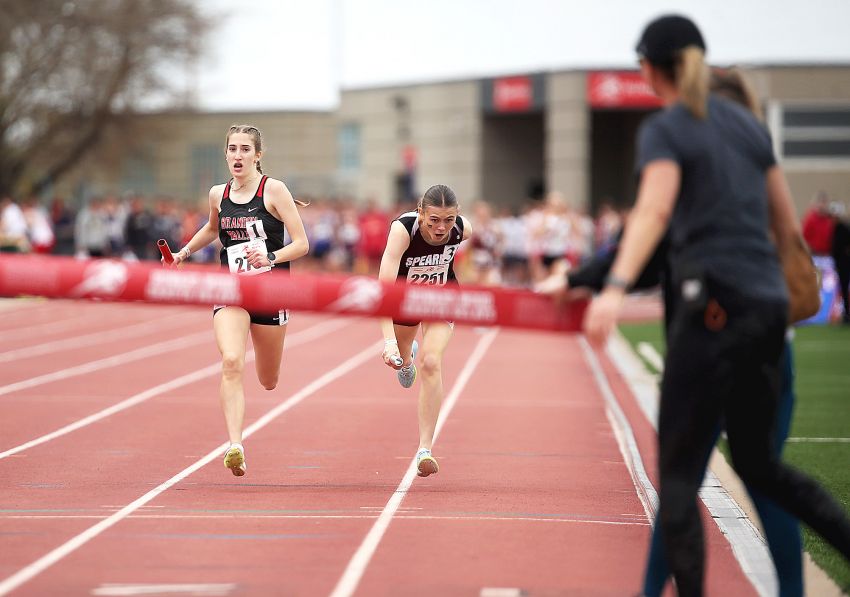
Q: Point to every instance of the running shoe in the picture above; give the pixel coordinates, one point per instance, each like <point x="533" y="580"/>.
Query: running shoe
<point x="407" y="375"/>
<point x="425" y="463"/>
<point x="234" y="459"/>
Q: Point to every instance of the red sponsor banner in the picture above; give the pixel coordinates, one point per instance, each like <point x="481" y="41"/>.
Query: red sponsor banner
<point x="513" y="94"/>
<point x="620" y="89"/>
<point x="65" y="277"/>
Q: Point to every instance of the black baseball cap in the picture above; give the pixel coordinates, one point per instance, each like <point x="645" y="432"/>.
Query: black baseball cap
<point x="667" y="35"/>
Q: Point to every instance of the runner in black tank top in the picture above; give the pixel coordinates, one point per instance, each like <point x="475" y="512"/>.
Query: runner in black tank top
<point x="426" y="263"/>
<point x="421" y="248"/>
<point x="248" y="215"/>
<point x="242" y="222"/>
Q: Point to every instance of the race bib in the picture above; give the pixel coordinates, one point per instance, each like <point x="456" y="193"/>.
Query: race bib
<point x="237" y="257"/>
<point x="435" y="275"/>
<point x="428" y="274"/>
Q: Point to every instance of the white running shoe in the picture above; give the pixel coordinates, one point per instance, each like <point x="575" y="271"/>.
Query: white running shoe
<point x="407" y="375"/>
<point x="234" y="459"/>
<point x="425" y="463"/>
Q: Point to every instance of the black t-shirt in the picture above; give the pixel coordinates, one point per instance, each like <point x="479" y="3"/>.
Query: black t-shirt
<point x="720" y="222"/>
<point x="424" y="263"/>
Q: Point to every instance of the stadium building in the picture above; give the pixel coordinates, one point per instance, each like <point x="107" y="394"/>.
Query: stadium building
<point x="503" y="139"/>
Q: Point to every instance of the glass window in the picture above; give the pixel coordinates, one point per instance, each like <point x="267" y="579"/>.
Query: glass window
<point x="815" y="132"/>
<point x="348" y="146"/>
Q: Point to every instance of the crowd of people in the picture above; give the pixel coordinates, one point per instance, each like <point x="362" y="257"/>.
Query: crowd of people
<point x="511" y="246"/>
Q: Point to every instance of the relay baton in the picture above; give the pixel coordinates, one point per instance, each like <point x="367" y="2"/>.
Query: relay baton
<point x="167" y="257"/>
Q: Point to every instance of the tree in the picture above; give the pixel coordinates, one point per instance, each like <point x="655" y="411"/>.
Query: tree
<point x="71" y="68"/>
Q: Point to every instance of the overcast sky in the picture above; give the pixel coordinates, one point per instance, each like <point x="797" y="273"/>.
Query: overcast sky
<point x="291" y="54"/>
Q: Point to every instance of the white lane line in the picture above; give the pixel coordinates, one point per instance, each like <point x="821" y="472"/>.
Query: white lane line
<point x="43" y="563"/>
<point x="643" y="384"/>
<point x="623" y="433"/>
<point x="747" y="543"/>
<point x="819" y="440"/>
<point x="317" y="331"/>
<point x="105" y="363"/>
<point x="101" y="337"/>
<point x="360" y="560"/>
<point x="195" y="589"/>
<point x="502" y="592"/>
<point x="49" y="327"/>
<point x="647" y="351"/>
<point x="106" y="313"/>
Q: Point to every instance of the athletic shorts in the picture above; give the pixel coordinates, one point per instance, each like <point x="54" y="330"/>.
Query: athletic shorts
<point x="282" y="317"/>
<point x="412" y="324"/>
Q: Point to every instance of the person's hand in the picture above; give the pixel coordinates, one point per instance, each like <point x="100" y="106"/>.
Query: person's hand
<point x="256" y="258"/>
<point x="177" y="258"/>
<point x="391" y="355"/>
<point x="555" y="286"/>
<point x="601" y="316"/>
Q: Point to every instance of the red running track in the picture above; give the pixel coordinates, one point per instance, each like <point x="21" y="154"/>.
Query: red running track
<point x="533" y="496"/>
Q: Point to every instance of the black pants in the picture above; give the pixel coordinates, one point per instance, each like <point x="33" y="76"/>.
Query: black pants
<point x="726" y="365"/>
<point x="843" y="271"/>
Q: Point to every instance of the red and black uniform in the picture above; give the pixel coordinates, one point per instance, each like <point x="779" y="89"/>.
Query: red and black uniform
<point x="238" y="223"/>
<point x="241" y="223"/>
<point x="424" y="263"/>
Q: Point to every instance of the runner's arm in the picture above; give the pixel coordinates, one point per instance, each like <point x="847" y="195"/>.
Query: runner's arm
<point x="207" y="233"/>
<point x="398" y="241"/>
<point x="280" y="200"/>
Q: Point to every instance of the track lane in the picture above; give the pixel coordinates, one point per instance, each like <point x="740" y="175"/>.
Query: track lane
<point x="319" y="475"/>
<point x="107" y="465"/>
<point x="540" y="496"/>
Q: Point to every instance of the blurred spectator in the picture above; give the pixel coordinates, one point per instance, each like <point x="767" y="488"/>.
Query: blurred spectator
<point x="608" y="224"/>
<point x="553" y="234"/>
<point x="374" y="227"/>
<point x="115" y="215"/>
<point x="582" y="236"/>
<point x="194" y="220"/>
<point x="13" y="227"/>
<point x="91" y="230"/>
<point x="62" y="219"/>
<point x="166" y="223"/>
<point x="841" y="254"/>
<point x="348" y="236"/>
<point x="514" y="237"/>
<point x="486" y="244"/>
<point x="39" y="227"/>
<point x="138" y="230"/>
<point x="817" y="225"/>
<point x="322" y="231"/>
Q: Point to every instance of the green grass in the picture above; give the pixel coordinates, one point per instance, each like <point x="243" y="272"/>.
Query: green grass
<point x="822" y="384"/>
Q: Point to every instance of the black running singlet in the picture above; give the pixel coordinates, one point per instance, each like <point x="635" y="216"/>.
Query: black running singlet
<point x="240" y="223"/>
<point x="424" y="263"/>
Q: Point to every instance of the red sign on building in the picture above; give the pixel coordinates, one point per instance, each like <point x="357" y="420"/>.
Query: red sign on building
<point x="513" y="94"/>
<point x="620" y="89"/>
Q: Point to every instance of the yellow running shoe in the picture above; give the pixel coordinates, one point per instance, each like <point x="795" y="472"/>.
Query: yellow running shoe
<point x="234" y="459"/>
<point x="425" y="463"/>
